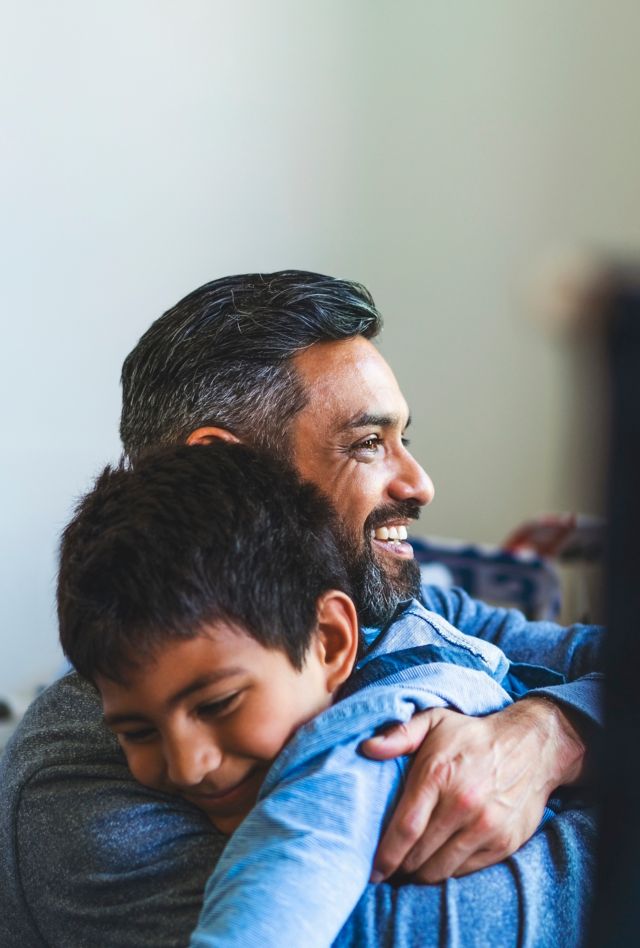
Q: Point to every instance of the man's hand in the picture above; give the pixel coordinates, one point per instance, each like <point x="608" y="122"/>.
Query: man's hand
<point x="477" y="787"/>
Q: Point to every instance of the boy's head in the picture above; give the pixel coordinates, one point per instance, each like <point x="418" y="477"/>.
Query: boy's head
<point x="204" y="593"/>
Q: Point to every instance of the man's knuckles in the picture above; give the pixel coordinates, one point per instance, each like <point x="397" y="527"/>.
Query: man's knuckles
<point x="489" y="825"/>
<point x="409" y="826"/>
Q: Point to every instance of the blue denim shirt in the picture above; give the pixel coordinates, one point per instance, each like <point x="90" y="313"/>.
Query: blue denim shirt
<point x="90" y="857"/>
<point x="294" y="870"/>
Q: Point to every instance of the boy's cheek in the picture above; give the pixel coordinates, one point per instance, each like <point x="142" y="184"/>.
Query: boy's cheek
<point x="145" y="767"/>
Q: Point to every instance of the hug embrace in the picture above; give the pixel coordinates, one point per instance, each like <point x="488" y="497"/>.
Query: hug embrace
<point x="244" y="615"/>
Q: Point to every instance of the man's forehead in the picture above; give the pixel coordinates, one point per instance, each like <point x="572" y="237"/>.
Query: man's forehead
<point x="350" y="385"/>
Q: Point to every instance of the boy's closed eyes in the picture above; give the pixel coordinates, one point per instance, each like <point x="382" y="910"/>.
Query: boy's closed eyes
<point x="206" y="716"/>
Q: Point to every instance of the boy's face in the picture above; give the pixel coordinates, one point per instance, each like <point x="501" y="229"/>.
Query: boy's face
<point x="207" y="716"/>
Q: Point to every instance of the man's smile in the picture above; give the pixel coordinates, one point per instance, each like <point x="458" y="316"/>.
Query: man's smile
<point x="391" y="539"/>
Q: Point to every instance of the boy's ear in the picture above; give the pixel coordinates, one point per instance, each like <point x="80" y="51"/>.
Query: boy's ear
<point x="210" y="433"/>
<point x="336" y="636"/>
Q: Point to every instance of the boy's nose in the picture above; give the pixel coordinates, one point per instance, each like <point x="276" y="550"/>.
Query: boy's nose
<point x="189" y="761"/>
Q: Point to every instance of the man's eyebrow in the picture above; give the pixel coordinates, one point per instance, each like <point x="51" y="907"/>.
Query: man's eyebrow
<point x="368" y="420"/>
<point x="197" y="684"/>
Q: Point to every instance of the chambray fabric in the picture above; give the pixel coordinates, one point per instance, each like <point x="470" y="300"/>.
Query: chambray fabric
<point x="575" y="651"/>
<point x="294" y="870"/>
<point x="89" y="857"/>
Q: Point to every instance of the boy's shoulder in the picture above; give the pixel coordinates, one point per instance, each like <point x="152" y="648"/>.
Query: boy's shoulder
<point x="414" y="626"/>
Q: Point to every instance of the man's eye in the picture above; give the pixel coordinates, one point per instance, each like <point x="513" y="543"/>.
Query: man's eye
<point x="214" y="708"/>
<point x="368" y="446"/>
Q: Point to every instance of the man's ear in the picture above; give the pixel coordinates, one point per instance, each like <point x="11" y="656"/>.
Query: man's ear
<point x="336" y="636"/>
<point x="208" y="434"/>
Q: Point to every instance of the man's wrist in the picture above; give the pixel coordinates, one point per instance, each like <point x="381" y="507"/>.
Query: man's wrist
<point x="563" y="739"/>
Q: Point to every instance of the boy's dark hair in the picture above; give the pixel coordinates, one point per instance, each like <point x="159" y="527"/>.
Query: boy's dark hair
<point x="222" y="357"/>
<point x="186" y="537"/>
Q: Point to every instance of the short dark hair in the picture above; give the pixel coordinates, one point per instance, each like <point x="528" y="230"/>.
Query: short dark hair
<point x="186" y="537"/>
<point x="222" y="356"/>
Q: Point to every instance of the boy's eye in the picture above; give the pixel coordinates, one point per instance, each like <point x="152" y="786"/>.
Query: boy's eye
<point x="214" y="708"/>
<point x="139" y="736"/>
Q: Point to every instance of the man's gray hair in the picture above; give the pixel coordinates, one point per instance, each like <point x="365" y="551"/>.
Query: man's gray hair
<point x="222" y="357"/>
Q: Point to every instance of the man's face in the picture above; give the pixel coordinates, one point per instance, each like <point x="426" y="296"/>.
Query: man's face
<point x="207" y="716"/>
<point x="349" y="441"/>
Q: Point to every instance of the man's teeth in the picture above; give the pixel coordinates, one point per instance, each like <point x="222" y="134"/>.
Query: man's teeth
<point x="390" y="533"/>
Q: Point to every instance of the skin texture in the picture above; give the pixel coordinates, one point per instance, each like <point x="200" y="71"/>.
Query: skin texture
<point x="350" y="439"/>
<point x="207" y="716"/>
<point x="477" y="786"/>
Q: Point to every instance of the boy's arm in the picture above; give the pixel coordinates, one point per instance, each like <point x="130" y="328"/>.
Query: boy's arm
<point x="295" y="868"/>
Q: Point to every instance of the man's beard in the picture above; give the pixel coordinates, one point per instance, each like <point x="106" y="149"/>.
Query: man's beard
<point x="380" y="582"/>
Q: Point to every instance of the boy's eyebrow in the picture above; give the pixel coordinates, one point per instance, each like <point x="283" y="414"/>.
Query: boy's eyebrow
<point x="367" y="419"/>
<point x="201" y="682"/>
<point x="196" y="685"/>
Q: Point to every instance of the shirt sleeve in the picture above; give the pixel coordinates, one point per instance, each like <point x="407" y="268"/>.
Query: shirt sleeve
<point x="576" y="651"/>
<point x="296" y="867"/>
<point x="294" y="870"/>
<point x="541" y="896"/>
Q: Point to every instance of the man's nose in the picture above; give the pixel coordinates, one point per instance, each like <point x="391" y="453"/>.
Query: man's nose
<point x="190" y="759"/>
<point x="411" y="481"/>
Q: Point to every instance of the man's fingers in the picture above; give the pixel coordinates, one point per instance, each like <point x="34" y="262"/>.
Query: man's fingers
<point x="480" y="860"/>
<point x="444" y="838"/>
<point x="399" y="739"/>
<point x="464" y="852"/>
<point x="446" y="861"/>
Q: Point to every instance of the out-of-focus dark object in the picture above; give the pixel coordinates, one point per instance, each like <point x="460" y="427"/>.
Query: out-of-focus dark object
<point x="616" y="917"/>
<point x="522" y="580"/>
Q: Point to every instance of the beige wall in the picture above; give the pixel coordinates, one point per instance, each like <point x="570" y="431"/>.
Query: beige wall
<point x="431" y="150"/>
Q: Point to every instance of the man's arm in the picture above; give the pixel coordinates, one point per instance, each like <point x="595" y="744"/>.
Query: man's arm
<point x="89" y="857"/>
<point x="575" y="650"/>
<point x="477" y="787"/>
<point x="540" y="897"/>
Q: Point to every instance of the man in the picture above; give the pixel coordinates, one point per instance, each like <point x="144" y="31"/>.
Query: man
<point x="284" y="362"/>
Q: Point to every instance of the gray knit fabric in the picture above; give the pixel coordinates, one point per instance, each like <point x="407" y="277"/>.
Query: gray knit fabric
<point x="88" y="857"/>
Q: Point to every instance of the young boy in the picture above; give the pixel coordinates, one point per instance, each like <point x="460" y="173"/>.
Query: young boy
<point x="204" y="594"/>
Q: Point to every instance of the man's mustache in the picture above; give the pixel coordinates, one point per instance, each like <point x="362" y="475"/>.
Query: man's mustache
<point x="401" y="510"/>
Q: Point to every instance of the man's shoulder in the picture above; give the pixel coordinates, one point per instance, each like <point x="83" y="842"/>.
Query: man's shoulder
<point x="63" y="726"/>
<point x="58" y="739"/>
<point x="77" y="832"/>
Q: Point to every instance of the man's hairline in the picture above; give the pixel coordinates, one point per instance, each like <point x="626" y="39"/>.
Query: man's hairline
<point x="305" y="387"/>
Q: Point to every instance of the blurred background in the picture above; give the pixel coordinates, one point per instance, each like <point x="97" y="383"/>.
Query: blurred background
<point x="436" y="152"/>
